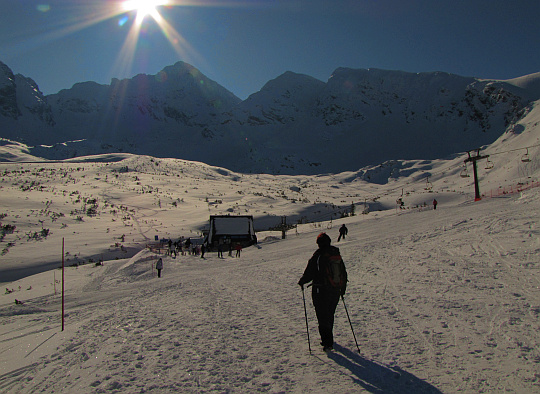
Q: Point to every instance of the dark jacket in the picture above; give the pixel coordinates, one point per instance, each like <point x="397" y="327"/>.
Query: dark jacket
<point x="316" y="270"/>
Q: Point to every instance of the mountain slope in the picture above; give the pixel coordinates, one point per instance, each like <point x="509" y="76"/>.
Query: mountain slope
<point x="296" y="124"/>
<point x="530" y="83"/>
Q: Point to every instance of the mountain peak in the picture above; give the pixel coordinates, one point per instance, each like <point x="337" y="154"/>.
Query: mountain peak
<point x="180" y="68"/>
<point x="359" y="117"/>
<point x="5" y="70"/>
<point x="289" y="82"/>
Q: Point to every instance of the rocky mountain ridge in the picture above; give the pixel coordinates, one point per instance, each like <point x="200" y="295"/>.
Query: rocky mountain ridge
<point x="295" y="124"/>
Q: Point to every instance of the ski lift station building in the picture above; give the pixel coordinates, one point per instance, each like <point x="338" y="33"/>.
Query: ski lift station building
<point x="234" y="229"/>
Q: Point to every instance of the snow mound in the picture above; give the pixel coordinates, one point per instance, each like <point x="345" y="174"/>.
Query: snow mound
<point x="12" y="151"/>
<point x="143" y="256"/>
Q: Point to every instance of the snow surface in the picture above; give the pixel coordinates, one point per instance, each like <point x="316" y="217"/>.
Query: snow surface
<point x="530" y="83"/>
<point x="444" y="300"/>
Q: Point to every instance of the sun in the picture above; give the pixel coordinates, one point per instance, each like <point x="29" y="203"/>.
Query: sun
<point x="143" y="7"/>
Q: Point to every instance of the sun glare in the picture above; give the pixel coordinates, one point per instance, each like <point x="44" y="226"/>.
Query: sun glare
<point x="143" y="7"/>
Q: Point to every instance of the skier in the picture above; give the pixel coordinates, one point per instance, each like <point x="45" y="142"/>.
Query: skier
<point x="343" y="231"/>
<point x="434" y="204"/>
<point x="327" y="272"/>
<point x="159" y="267"/>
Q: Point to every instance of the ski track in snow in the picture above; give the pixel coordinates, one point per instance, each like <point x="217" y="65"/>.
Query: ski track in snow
<point x="444" y="301"/>
<point x="455" y="287"/>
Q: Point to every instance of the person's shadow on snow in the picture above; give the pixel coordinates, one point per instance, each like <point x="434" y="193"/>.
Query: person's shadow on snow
<point x="377" y="378"/>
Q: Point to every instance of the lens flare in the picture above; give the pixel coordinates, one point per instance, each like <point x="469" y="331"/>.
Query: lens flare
<point x="43" y="7"/>
<point x="123" y="21"/>
<point x="143" y="7"/>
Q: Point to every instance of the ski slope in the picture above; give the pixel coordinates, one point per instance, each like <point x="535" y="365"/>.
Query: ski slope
<point x="441" y="301"/>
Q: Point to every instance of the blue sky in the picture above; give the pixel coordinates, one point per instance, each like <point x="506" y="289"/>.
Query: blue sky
<point x="244" y="44"/>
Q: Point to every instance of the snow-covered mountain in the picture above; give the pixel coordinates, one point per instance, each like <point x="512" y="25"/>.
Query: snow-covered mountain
<point x="24" y="110"/>
<point x="294" y="124"/>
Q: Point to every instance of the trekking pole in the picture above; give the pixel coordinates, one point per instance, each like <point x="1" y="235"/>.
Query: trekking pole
<point x="305" y="314"/>
<point x="348" y="317"/>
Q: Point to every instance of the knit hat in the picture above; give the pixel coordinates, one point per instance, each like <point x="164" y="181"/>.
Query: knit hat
<point x="323" y="240"/>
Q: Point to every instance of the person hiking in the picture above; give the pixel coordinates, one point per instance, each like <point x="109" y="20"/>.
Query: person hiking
<point x="180" y="248"/>
<point x="172" y="250"/>
<point x="159" y="267"/>
<point x="220" y="248"/>
<point x="326" y="271"/>
<point x="229" y="242"/>
<point x="238" y="248"/>
<point x="343" y="231"/>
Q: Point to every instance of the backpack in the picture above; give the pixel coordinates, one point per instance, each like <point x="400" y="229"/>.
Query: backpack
<point x="334" y="273"/>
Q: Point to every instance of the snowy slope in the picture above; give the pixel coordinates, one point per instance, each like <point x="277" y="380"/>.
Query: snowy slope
<point x="440" y="301"/>
<point x="530" y="83"/>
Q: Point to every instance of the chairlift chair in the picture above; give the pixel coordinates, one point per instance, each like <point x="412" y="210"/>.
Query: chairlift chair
<point x="489" y="164"/>
<point x="464" y="173"/>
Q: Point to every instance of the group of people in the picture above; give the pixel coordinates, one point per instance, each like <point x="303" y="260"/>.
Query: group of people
<point x="227" y="243"/>
<point x="401" y="204"/>
<point x="184" y="247"/>
<point x="188" y="247"/>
